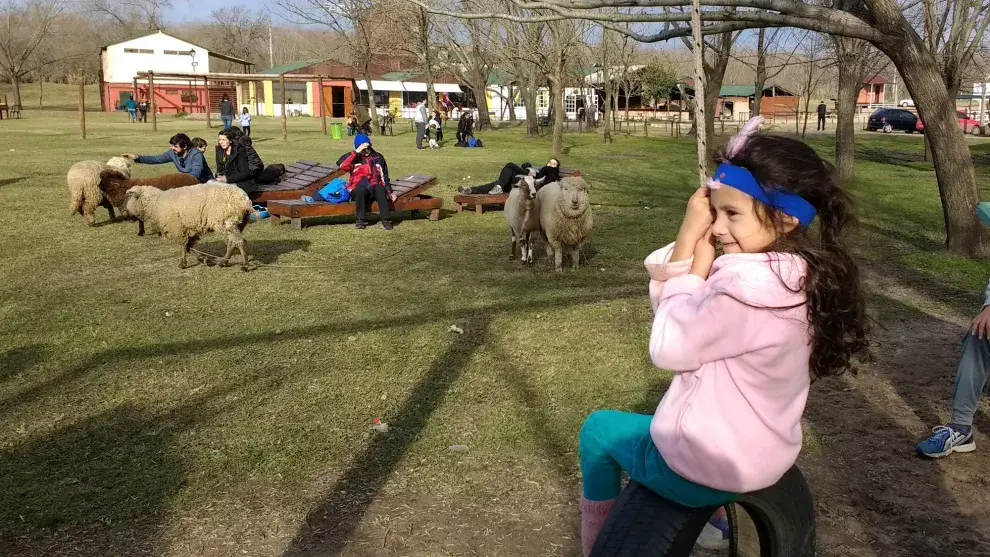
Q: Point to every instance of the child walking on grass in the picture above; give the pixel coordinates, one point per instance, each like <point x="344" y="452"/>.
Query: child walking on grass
<point x="745" y="333"/>
<point x="246" y="122"/>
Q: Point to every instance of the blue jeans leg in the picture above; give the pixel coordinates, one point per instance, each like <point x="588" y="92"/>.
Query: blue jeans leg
<point x="132" y="114"/>
<point x="612" y="442"/>
<point x="971" y="377"/>
<point x="227" y="122"/>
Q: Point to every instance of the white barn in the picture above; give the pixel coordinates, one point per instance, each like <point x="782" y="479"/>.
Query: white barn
<point x="161" y="53"/>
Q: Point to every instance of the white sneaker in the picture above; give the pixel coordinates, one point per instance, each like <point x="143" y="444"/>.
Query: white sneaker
<point x="712" y="538"/>
<point x="496" y="190"/>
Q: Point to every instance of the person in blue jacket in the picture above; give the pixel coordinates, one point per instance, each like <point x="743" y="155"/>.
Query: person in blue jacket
<point x="187" y="160"/>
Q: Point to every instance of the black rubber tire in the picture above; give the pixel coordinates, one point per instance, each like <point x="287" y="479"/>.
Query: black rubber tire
<point x="645" y="524"/>
<point x="781" y="521"/>
<point x="887" y="128"/>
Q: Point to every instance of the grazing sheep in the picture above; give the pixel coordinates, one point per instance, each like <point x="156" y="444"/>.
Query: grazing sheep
<point x="184" y="214"/>
<point x="114" y="186"/>
<point x="84" y="180"/>
<point x="522" y="213"/>
<point x="565" y="218"/>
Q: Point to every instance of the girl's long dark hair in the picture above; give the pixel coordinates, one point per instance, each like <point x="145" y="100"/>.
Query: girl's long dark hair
<point x="836" y="307"/>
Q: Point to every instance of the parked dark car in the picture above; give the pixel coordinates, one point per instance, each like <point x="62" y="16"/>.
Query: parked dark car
<point x="890" y="119"/>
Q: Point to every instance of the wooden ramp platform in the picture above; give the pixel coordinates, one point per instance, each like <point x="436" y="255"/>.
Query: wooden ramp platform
<point x="481" y="200"/>
<point x="300" y="178"/>
<point x="409" y="197"/>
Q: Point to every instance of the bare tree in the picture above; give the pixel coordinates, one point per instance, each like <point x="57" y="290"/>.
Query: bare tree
<point x="468" y="44"/>
<point x="881" y="22"/>
<point x="26" y="27"/>
<point x="239" y="32"/>
<point x="717" y="50"/>
<point x="357" y="24"/>
<point x="131" y="15"/>
<point x="856" y="60"/>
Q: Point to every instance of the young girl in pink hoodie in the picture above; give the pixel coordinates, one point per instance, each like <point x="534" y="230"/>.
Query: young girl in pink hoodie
<point x="744" y="333"/>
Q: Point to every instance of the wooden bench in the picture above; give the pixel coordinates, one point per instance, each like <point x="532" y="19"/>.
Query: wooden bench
<point x="480" y="200"/>
<point x="4" y="108"/>
<point x="409" y="197"/>
<point x="300" y="178"/>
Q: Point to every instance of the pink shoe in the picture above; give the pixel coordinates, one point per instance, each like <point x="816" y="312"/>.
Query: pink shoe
<point x="593" y="515"/>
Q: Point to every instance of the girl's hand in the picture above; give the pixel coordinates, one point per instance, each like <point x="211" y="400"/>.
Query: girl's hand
<point x="704" y="255"/>
<point x="697" y="220"/>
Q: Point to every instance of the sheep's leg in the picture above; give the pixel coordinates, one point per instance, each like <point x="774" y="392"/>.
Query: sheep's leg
<point x="575" y="257"/>
<point x="530" y="247"/>
<point x="558" y="259"/>
<point x="140" y="227"/>
<point x="512" y="246"/>
<point x="186" y="246"/>
<point x="235" y="239"/>
<point x="113" y="215"/>
<point x="88" y="218"/>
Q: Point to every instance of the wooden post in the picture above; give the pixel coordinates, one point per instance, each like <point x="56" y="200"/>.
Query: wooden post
<point x="82" y="109"/>
<point x="323" y="108"/>
<point x="134" y="91"/>
<point x="285" y="131"/>
<point x="152" y="105"/>
<point x="206" y="86"/>
<point x="699" y="92"/>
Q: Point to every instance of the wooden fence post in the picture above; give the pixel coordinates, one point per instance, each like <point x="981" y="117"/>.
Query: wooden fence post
<point x="151" y="101"/>
<point x="206" y="103"/>
<point x="285" y="131"/>
<point x="323" y="108"/>
<point x="82" y="108"/>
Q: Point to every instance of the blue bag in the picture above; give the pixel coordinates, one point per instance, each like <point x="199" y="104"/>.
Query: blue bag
<point x="335" y="192"/>
<point x="472" y="142"/>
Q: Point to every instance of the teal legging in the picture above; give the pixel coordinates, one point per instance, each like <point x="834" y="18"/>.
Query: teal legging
<point x="613" y="441"/>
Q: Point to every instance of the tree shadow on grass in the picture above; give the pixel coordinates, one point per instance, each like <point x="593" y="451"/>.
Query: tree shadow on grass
<point x="881" y="155"/>
<point x="111" y="476"/>
<point x="10" y="181"/>
<point x="17" y="360"/>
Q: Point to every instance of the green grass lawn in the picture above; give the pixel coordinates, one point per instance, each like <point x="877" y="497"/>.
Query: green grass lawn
<point x="146" y="409"/>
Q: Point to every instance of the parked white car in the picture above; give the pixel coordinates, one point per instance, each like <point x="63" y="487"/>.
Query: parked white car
<point x="906" y="102"/>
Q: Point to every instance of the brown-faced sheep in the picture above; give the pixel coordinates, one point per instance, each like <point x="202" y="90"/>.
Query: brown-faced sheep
<point x="565" y="218"/>
<point x="115" y="185"/>
<point x="522" y="213"/>
<point x="183" y="214"/>
<point x="84" y="179"/>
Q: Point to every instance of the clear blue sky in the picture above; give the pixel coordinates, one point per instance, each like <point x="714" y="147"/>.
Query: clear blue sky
<point x="197" y="11"/>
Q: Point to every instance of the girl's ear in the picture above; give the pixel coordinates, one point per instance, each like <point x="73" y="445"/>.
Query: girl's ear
<point x="790" y="223"/>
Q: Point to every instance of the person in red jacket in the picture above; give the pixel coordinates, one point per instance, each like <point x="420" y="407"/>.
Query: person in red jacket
<point x="369" y="180"/>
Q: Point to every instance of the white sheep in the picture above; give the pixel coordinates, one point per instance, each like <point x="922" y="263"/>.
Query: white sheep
<point x="522" y="214"/>
<point x="565" y="218"/>
<point x="183" y="214"/>
<point x="83" y="180"/>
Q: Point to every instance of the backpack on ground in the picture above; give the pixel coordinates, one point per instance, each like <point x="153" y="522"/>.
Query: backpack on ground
<point x="335" y="192"/>
<point x="271" y="174"/>
<point x="474" y="143"/>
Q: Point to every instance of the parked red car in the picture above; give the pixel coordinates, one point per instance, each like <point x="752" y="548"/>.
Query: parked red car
<point x="966" y="124"/>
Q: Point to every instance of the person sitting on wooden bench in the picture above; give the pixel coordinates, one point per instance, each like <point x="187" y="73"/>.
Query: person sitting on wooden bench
<point x="369" y="180"/>
<point x="507" y="177"/>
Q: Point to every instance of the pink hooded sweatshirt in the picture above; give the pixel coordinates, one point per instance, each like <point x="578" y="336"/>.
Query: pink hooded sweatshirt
<point x="731" y="419"/>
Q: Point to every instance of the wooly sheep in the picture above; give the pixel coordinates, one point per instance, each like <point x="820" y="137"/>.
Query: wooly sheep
<point x="183" y="214"/>
<point x="565" y="218"/>
<point x="84" y="180"/>
<point x="522" y="213"/>
<point x="114" y="186"/>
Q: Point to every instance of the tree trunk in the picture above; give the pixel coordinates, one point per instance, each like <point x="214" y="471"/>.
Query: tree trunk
<point x="607" y="115"/>
<point x="950" y="153"/>
<point x="761" y="72"/>
<point x="372" y="109"/>
<point x="712" y="89"/>
<point x="807" y="97"/>
<point x="532" y="119"/>
<point x="512" y="103"/>
<point x="15" y="83"/>
<point x="850" y="83"/>
<point x="626" y="102"/>
<point x="557" y="102"/>
<point x="481" y="101"/>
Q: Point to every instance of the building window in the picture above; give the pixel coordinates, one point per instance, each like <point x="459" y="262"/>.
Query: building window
<point x="519" y="101"/>
<point x="542" y="99"/>
<point x="189" y="97"/>
<point x="413" y="98"/>
<point x="139" y="51"/>
<point x="296" y="92"/>
<point x="570" y="103"/>
<point x="171" y="91"/>
<point x="178" y="52"/>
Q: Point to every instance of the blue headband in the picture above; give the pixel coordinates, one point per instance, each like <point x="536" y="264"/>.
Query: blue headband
<point x="784" y="201"/>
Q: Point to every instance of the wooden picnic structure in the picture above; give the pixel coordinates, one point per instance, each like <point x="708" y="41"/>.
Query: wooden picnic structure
<point x="482" y="200"/>
<point x="409" y="193"/>
<point x="195" y="78"/>
<point x="8" y="109"/>
<point x="300" y="178"/>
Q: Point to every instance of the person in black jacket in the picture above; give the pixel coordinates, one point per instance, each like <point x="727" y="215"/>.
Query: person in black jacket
<point x="507" y="177"/>
<point x="822" y="112"/>
<point x="233" y="164"/>
<point x="464" y="125"/>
